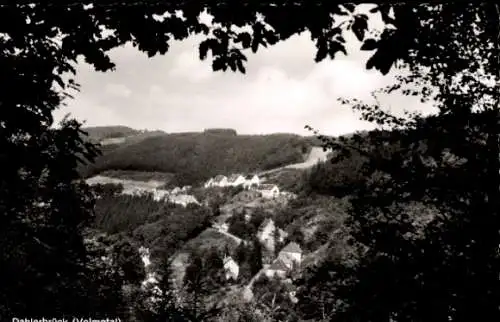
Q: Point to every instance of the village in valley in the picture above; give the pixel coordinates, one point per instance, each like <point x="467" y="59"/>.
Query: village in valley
<point x="255" y="193"/>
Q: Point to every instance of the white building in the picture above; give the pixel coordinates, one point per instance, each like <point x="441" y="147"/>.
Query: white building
<point x="288" y="258"/>
<point x="236" y="180"/>
<point x="269" y="191"/>
<point x="266" y="233"/>
<point x="160" y="194"/>
<point x="277" y="268"/>
<point x="183" y="199"/>
<point x="231" y="268"/>
<point x="176" y="190"/>
<point x="251" y="181"/>
<point x="217" y="181"/>
<point x="179" y="190"/>
<point x="135" y="191"/>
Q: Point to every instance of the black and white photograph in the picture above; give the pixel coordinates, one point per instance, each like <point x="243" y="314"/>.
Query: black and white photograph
<point x="249" y="161"/>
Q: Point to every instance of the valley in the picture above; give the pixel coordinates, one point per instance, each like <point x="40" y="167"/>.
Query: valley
<point x="243" y="219"/>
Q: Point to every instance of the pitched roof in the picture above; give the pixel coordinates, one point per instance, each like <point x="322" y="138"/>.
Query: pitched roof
<point x="228" y="259"/>
<point x="278" y="265"/>
<point x="248" y="177"/>
<point x="267" y="186"/>
<point x="233" y="177"/>
<point x="265" y="223"/>
<point x="219" y="177"/>
<point x="292" y="248"/>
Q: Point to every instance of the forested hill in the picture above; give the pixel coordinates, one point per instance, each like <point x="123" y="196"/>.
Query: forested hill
<point x="194" y="157"/>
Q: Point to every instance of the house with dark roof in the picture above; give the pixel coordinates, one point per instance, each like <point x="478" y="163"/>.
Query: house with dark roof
<point x="291" y="254"/>
<point x="277" y="268"/>
<point x="269" y="191"/>
<point x="251" y="181"/>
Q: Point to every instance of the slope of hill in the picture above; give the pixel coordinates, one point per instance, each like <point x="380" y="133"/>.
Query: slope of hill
<point x="194" y="157"/>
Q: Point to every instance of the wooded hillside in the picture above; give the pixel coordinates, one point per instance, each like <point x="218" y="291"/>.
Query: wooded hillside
<point x="194" y="157"/>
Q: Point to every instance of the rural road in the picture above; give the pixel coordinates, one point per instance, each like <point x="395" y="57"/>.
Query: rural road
<point x="316" y="154"/>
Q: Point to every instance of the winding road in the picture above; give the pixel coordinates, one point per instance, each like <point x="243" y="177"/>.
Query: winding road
<point x="316" y="155"/>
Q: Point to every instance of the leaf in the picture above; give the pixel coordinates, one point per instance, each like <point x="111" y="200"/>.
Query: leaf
<point x="203" y="49"/>
<point x="385" y="64"/>
<point x="271" y="37"/>
<point x="371" y="62"/>
<point x="244" y="38"/>
<point x="369" y="44"/>
<point x="334" y="32"/>
<point x="335" y="47"/>
<point x="322" y="50"/>
<point x="232" y="64"/>
<point x="241" y="68"/>
<point x="218" y="64"/>
<point x="255" y="45"/>
<point x="359" y="26"/>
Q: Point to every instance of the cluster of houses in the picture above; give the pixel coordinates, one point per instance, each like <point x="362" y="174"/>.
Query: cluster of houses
<point x="233" y="180"/>
<point x="253" y="182"/>
<point x="158" y="194"/>
<point x="177" y="195"/>
<point x="289" y="257"/>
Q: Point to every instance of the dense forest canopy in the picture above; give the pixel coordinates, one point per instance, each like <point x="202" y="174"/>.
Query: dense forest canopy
<point x="163" y="227"/>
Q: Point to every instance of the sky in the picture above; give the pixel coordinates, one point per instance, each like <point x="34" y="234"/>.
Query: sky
<point x="282" y="91"/>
